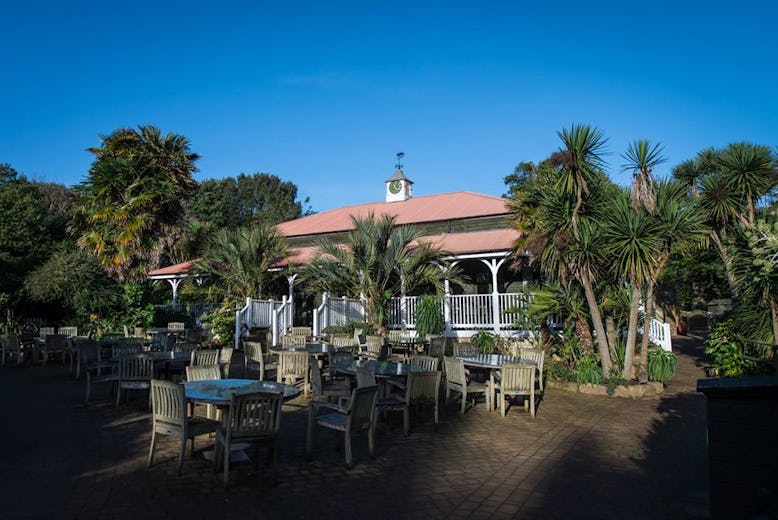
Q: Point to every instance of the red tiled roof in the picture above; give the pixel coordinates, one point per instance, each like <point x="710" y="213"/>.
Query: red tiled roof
<point x="416" y="210"/>
<point x="175" y="269"/>
<point x="489" y="241"/>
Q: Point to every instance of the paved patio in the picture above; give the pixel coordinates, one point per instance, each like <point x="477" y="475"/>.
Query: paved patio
<point x="582" y="457"/>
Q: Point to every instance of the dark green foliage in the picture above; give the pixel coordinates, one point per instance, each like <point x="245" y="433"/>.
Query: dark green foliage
<point x="429" y="316"/>
<point x="732" y="355"/>
<point x="484" y="340"/>
<point x="222" y="323"/>
<point x="246" y="199"/>
<point x="661" y="364"/>
<point x="588" y="371"/>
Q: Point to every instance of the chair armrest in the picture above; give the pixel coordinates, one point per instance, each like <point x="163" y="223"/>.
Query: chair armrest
<point x="332" y="406"/>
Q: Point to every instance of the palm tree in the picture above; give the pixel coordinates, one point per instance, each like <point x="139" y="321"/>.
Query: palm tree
<point x="130" y="206"/>
<point x="632" y="238"/>
<point x="641" y="159"/>
<point x="239" y="260"/>
<point x="376" y="261"/>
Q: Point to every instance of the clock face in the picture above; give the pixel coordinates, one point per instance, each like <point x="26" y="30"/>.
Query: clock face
<point x="394" y="187"/>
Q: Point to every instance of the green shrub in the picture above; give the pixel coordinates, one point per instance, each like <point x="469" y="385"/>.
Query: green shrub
<point x="661" y="364"/>
<point x="588" y="370"/>
<point x="616" y="378"/>
<point x="733" y="357"/>
<point x="484" y="341"/>
<point x="429" y="316"/>
<point x="222" y="323"/>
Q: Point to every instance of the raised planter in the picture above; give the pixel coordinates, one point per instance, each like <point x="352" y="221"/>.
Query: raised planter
<point x="629" y="391"/>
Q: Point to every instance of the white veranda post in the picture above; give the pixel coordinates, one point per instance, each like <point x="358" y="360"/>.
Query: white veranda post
<point x="174" y="283"/>
<point x="494" y="266"/>
<point x="290" y="280"/>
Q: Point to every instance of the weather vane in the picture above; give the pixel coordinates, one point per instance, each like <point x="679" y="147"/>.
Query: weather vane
<point x="399" y="164"/>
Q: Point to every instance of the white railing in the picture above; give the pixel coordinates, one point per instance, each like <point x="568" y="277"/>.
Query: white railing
<point x="659" y="334"/>
<point x="464" y="311"/>
<point x="335" y="312"/>
<point x="262" y="314"/>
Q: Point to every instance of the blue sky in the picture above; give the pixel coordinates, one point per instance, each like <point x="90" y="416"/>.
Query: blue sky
<point x="324" y="93"/>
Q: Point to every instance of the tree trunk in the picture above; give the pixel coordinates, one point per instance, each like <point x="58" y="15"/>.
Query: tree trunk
<point x="632" y="331"/>
<point x="599" y="329"/>
<point x="774" y="323"/>
<point x="642" y="373"/>
<point x="610" y="326"/>
<point x="584" y="335"/>
<point x="727" y="261"/>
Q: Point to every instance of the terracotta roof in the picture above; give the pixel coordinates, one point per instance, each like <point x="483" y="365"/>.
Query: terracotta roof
<point x="416" y="210"/>
<point x="175" y="270"/>
<point x="490" y="241"/>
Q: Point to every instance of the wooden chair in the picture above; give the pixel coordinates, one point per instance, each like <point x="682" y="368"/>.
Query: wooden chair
<point x="343" y="340"/>
<point x="305" y="332"/>
<point x="11" y="348"/>
<point x="203" y="373"/>
<point x="534" y="356"/>
<point x="46" y="331"/>
<point x="205" y="357"/>
<point x="292" y="341"/>
<point x="293" y="368"/>
<point x="422" y="388"/>
<point x="465" y="349"/>
<point x="340" y="357"/>
<point x="176" y="325"/>
<point x="424" y="363"/>
<point x="68" y="331"/>
<point x="55" y="345"/>
<point x="457" y="381"/>
<point x="169" y="417"/>
<point x="255" y="419"/>
<point x="135" y="373"/>
<point x="375" y="348"/>
<point x="323" y="390"/>
<point x="437" y="347"/>
<point x="252" y="356"/>
<point x="359" y="415"/>
<point x="225" y="360"/>
<point x="104" y="370"/>
<point x="517" y="380"/>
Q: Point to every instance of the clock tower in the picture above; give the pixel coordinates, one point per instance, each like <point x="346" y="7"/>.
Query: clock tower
<point x="398" y="186"/>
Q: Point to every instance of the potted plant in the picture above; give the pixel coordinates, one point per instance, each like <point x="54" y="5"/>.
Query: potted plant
<point x="429" y="316"/>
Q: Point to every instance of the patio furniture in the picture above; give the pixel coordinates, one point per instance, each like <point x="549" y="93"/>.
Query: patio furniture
<point x="205" y="357"/>
<point x="534" y="356"/>
<point x="54" y="345"/>
<point x="422" y="388"/>
<point x="289" y="341"/>
<point x="176" y="325"/>
<point x="457" y="381"/>
<point x="305" y="332"/>
<point x="293" y="367"/>
<point x="465" y="349"/>
<point x="437" y="347"/>
<point x="225" y="360"/>
<point x="375" y="348"/>
<point x="203" y="373"/>
<point x="68" y="331"/>
<point x="135" y="373"/>
<point x="169" y="417"/>
<point x="338" y="358"/>
<point x="359" y="415"/>
<point x="86" y="353"/>
<point x="45" y="331"/>
<point x="343" y="340"/>
<point x="103" y="371"/>
<point x="517" y="380"/>
<point x="424" y="363"/>
<point x="323" y="390"/>
<point x="11" y="348"/>
<point x="193" y="336"/>
<point x="253" y="418"/>
<point x="253" y="356"/>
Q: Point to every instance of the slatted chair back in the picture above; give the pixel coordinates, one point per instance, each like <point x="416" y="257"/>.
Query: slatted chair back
<point x="11" y="347"/>
<point x="517" y="378"/>
<point x="292" y="341"/>
<point x="194" y="336"/>
<point x="254" y="415"/>
<point x="455" y="372"/>
<point x="423" y="388"/>
<point x="46" y="331"/>
<point x="252" y="355"/>
<point x="121" y="349"/>
<point x="465" y="349"/>
<point x="205" y="357"/>
<point x="300" y="331"/>
<point x="358" y="336"/>
<point x="225" y="360"/>
<point x="342" y="340"/>
<point x="55" y="344"/>
<point x="176" y="325"/>
<point x="139" y="332"/>
<point x="340" y="358"/>
<point x="203" y="373"/>
<point x="69" y="331"/>
<point x="374" y="347"/>
<point x="132" y="341"/>
<point x="362" y="408"/>
<point x="437" y="346"/>
<point x="88" y="352"/>
<point x="366" y="375"/>
<point x="293" y="366"/>
<point x="183" y="348"/>
<point x="424" y="363"/>
<point x="317" y="384"/>
<point x="537" y="357"/>
<point x="168" y="406"/>
<point x="136" y="368"/>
